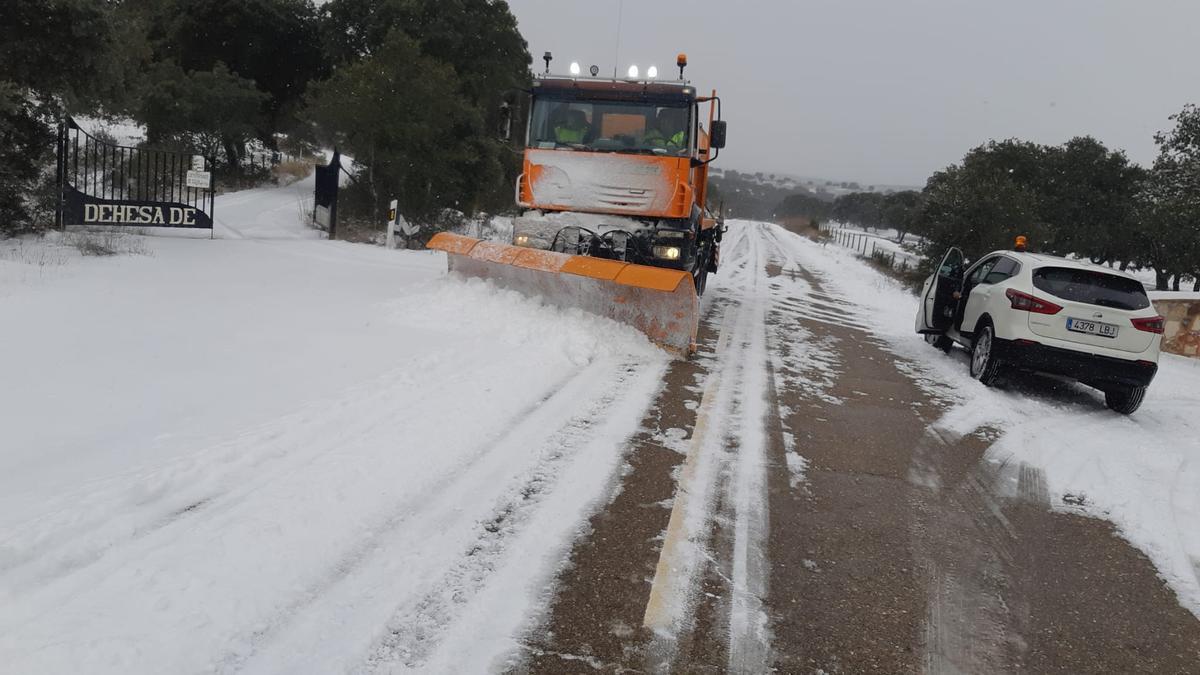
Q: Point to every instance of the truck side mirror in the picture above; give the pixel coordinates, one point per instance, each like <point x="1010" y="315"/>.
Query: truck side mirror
<point x="717" y="137"/>
<point x="506" y="113"/>
<point x="514" y="110"/>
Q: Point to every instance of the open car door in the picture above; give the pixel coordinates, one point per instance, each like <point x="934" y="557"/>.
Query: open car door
<point x="937" y="300"/>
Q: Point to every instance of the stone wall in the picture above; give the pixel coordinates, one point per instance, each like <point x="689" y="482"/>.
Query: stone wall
<point x="1182" y="332"/>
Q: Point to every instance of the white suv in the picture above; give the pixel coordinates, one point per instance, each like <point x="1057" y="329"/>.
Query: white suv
<point x="1041" y="313"/>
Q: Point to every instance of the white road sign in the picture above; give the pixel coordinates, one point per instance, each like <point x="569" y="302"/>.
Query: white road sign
<point x="199" y="179"/>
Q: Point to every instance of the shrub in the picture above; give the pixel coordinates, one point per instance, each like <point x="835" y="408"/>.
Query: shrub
<point x="106" y="242"/>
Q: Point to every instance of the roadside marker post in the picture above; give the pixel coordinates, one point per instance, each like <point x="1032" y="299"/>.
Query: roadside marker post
<point x="391" y="223"/>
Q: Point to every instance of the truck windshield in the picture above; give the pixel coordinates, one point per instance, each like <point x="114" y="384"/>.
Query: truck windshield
<point x="611" y="126"/>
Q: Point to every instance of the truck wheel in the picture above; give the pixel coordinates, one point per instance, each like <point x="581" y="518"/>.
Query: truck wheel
<point x="985" y="367"/>
<point x="1125" y="400"/>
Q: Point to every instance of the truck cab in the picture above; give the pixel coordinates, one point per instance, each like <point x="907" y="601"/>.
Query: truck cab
<point x="618" y="169"/>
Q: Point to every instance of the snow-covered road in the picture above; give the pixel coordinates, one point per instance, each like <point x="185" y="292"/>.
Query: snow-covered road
<point x="283" y="456"/>
<point x="274" y="453"/>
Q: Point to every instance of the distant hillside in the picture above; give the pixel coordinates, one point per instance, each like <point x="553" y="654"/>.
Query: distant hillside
<point x="783" y="184"/>
<point x="755" y="195"/>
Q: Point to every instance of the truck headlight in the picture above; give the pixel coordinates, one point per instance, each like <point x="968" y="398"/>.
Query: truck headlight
<point x="667" y="252"/>
<point x="530" y="240"/>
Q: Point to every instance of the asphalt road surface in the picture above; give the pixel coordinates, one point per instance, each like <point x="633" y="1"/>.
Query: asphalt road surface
<point x="889" y="548"/>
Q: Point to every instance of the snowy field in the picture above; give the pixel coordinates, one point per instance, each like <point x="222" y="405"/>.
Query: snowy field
<point x="1141" y="472"/>
<point x="279" y="454"/>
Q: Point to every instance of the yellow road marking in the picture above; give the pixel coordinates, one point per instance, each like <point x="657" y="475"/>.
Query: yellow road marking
<point x="658" y="616"/>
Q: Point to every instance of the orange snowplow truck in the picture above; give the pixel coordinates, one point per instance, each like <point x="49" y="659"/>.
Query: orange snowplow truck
<point x="613" y="202"/>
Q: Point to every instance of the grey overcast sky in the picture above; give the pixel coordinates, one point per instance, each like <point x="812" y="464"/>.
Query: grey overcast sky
<point x="888" y="91"/>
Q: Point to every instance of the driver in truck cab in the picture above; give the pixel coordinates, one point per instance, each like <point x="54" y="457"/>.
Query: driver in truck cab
<point x="570" y="126"/>
<point x="669" y="130"/>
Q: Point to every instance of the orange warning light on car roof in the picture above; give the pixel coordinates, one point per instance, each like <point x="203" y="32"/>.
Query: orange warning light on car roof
<point x="1021" y="243"/>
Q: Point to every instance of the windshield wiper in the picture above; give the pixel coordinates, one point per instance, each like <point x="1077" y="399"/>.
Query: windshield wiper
<point x="642" y="151"/>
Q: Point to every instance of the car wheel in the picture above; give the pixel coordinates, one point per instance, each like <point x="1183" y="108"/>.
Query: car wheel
<point x="940" y="341"/>
<point x="1125" y="400"/>
<point x="985" y="367"/>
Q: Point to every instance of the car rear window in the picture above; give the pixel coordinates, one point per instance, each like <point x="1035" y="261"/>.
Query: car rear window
<point x="1093" y="288"/>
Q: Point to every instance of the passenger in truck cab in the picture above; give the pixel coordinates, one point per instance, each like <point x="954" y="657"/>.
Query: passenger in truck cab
<point x="570" y="126"/>
<point x="669" y="130"/>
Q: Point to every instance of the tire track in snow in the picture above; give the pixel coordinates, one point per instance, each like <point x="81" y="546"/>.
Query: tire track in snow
<point x="306" y="446"/>
<point x="729" y="439"/>
<point x="281" y="448"/>
<point x="749" y="635"/>
<point x="416" y="630"/>
<point x="363" y="586"/>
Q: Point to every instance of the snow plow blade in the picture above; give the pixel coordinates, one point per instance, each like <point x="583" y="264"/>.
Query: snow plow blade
<point x="659" y="302"/>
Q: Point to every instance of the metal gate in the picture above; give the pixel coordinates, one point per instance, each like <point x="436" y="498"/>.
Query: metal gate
<point x="325" y="195"/>
<point x="101" y="183"/>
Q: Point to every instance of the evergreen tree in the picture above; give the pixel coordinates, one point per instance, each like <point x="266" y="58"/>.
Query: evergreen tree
<point x="901" y="211"/>
<point x="480" y="41"/>
<point x="803" y="206"/>
<point x="57" y="57"/>
<point x="203" y="111"/>
<point x="863" y="209"/>
<point x="1171" y="209"/>
<point x="401" y="115"/>
<point x="1089" y="199"/>
<point x="275" y="44"/>
<point x="983" y="204"/>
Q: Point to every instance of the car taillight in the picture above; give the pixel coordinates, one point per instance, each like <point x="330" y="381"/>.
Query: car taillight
<point x="1153" y="324"/>
<point x="1027" y="303"/>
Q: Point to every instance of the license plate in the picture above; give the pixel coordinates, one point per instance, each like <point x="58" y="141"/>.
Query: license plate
<point x="1090" y="327"/>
